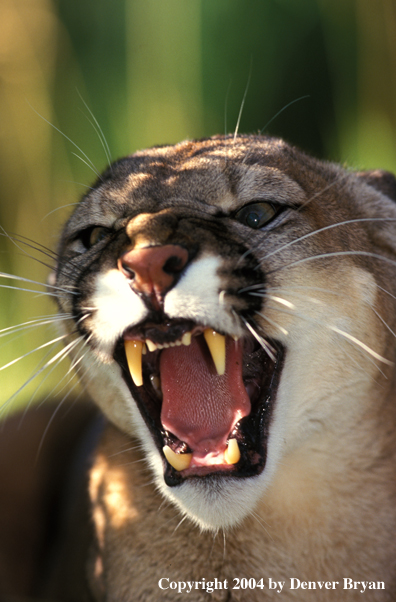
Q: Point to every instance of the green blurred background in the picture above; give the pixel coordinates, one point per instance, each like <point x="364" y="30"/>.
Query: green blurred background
<point x="158" y="71"/>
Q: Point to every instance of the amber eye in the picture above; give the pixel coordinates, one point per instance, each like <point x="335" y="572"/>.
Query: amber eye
<point x="256" y="215"/>
<point x="97" y="234"/>
<point x="91" y="236"/>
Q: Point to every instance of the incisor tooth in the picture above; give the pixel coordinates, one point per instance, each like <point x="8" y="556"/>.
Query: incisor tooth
<point x="186" y="338"/>
<point x="151" y="346"/>
<point x="178" y="461"/>
<point x="216" y="344"/>
<point x="133" y="351"/>
<point x="232" y="454"/>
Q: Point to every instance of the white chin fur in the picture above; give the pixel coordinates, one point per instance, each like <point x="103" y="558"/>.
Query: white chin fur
<point x="218" y="502"/>
<point x="214" y="505"/>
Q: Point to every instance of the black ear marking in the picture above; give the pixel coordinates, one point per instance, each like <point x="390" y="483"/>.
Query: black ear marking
<point x="381" y="180"/>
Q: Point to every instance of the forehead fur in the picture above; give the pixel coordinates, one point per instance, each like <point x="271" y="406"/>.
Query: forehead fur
<point x="215" y="171"/>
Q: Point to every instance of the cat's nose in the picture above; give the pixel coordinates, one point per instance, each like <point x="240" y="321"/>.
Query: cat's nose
<point x="153" y="270"/>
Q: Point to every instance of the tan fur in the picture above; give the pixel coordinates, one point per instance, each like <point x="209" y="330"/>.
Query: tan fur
<point x="307" y="526"/>
<point x="327" y="508"/>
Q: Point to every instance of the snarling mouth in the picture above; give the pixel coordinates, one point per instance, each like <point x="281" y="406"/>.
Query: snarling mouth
<point x="206" y="398"/>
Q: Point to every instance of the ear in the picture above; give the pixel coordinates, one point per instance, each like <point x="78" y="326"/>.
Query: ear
<point x="383" y="181"/>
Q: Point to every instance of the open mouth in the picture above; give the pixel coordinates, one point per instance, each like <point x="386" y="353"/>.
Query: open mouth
<point x="206" y="398"/>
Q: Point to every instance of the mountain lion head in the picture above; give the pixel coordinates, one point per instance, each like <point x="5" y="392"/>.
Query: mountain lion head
<point x="230" y="304"/>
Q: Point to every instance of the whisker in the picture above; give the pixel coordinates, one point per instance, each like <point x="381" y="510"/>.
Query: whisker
<point x="99" y="131"/>
<point x="365" y="347"/>
<point x="335" y="254"/>
<point x="267" y="319"/>
<point x="350" y="338"/>
<point x="88" y="161"/>
<point x="28" y="290"/>
<point x="385" y="291"/>
<point x="43" y="321"/>
<point x="32" y="244"/>
<point x="14" y="241"/>
<point x="243" y="102"/>
<point x="68" y="376"/>
<point x="258" y="519"/>
<point x="46" y="286"/>
<point x="138" y="447"/>
<point x="384" y="322"/>
<point x="267" y="348"/>
<point x="63" y="336"/>
<point x="325" y="189"/>
<point x="54" y="390"/>
<point x="181" y="521"/>
<point x="61" y="353"/>
<point x="261" y="290"/>
<point x="337" y="225"/>
<point x="273" y="118"/>
<point x="64" y="206"/>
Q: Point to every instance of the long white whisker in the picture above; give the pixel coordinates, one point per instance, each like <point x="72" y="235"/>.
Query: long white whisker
<point x="273" y="118"/>
<point x="29" y="290"/>
<point x="53" y="342"/>
<point x="88" y="161"/>
<point x="243" y="102"/>
<point x="181" y="521"/>
<point x="267" y="319"/>
<point x="98" y="130"/>
<point x="346" y="222"/>
<point x="383" y="322"/>
<point x="342" y="333"/>
<point x="43" y="321"/>
<point x="267" y="348"/>
<point x="46" y="286"/>
<point x="258" y="519"/>
<point x="68" y="376"/>
<point x="385" y="291"/>
<point x="64" y="206"/>
<point x="62" y="353"/>
<point x="356" y="341"/>
<point x="336" y="254"/>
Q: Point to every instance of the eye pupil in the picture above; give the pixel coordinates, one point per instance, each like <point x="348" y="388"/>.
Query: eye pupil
<point x="256" y="215"/>
<point x="253" y="220"/>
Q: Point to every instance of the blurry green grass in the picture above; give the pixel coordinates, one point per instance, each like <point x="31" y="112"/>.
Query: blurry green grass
<point x="157" y="72"/>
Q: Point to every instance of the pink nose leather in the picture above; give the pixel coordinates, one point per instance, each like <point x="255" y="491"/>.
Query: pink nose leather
<point x="153" y="270"/>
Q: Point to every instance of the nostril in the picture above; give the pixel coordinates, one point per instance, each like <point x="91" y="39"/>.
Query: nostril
<point x="127" y="270"/>
<point x="174" y="264"/>
<point x="153" y="270"/>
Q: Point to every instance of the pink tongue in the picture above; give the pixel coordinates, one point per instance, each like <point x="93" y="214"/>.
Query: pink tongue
<point x="199" y="406"/>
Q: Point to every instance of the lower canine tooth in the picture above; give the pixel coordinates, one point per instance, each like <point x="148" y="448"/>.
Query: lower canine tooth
<point x="133" y="351"/>
<point x="232" y="454"/>
<point x="178" y="461"/>
<point x="216" y="344"/>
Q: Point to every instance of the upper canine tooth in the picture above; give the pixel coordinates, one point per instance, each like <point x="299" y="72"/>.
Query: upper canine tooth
<point x="133" y="351"/>
<point x="216" y="344"/>
<point x="178" y="461"/>
<point x="232" y="453"/>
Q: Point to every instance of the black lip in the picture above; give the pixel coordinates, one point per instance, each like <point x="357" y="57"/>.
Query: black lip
<point x="260" y="374"/>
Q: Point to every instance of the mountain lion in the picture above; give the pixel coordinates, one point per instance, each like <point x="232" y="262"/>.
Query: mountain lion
<point x="230" y="308"/>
